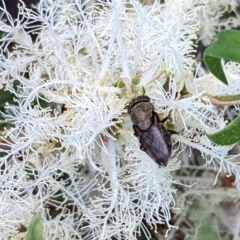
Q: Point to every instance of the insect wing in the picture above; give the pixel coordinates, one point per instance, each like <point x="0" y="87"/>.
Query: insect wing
<point x="167" y="137"/>
<point x="153" y="143"/>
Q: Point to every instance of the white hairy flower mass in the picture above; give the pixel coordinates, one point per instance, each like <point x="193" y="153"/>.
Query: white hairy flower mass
<point x="76" y="161"/>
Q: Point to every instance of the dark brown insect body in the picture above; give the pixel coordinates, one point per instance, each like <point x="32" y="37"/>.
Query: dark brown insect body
<point x="154" y="138"/>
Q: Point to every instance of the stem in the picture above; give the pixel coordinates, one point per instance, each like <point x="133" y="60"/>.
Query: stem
<point x="237" y="227"/>
<point x="224" y="100"/>
<point x="114" y="183"/>
<point x="177" y="223"/>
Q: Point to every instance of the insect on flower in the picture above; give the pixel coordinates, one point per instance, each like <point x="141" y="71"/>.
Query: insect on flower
<point x="154" y="138"/>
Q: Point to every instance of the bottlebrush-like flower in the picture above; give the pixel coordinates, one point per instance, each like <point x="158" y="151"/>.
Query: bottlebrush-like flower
<point x="213" y="18"/>
<point x="76" y="162"/>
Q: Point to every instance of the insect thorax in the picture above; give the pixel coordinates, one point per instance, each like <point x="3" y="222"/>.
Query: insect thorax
<point x="141" y="114"/>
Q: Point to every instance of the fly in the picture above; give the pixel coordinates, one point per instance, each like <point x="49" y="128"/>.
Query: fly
<point x="154" y="138"/>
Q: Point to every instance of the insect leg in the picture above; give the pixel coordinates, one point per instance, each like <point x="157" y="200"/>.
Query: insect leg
<point x="164" y="120"/>
<point x="156" y="119"/>
<point x="172" y="132"/>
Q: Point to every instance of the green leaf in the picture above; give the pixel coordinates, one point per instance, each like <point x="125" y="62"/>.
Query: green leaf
<point x="2" y="125"/>
<point x="214" y="66"/>
<point x="227" y="47"/>
<point x="35" y="229"/>
<point x="207" y="232"/>
<point x="41" y="101"/>
<point x="227" y="136"/>
<point x="6" y="96"/>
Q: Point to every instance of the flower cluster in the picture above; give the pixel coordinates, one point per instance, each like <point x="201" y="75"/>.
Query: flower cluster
<point x="68" y="150"/>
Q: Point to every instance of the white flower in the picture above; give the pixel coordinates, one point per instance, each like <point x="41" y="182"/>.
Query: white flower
<point x="77" y="162"/>
<point x="212" y="18"/>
